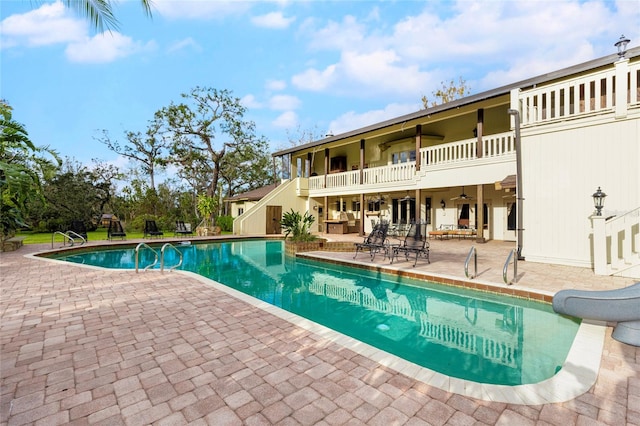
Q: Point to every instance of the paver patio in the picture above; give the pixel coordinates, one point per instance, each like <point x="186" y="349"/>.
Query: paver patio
<point x="87" y="346"/>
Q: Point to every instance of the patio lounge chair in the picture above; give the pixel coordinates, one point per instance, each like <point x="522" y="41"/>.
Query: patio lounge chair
<point x="77" y="227"/>
<point x="414" y="243"/>
<point x="182" y="229"/>
<point x="151" y="229"/>
<point x="115" y="230"/>
<point x="375" y="241"/>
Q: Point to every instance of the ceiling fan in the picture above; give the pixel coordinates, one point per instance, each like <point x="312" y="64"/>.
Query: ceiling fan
<point x="462" y="196"/>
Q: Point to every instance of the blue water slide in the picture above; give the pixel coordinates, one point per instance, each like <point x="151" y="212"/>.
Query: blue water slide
<point x="621" y="306"/>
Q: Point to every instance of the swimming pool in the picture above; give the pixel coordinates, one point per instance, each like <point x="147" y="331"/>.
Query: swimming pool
<point x="475" y="336"/>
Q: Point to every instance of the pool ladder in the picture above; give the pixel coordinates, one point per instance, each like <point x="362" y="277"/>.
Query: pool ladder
<point x="473" y="253"/>
<point x="68" y="236"/>
<point x="512" y="254"/>
<point x="161" y="257"/>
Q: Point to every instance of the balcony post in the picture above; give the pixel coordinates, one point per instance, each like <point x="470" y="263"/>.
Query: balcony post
<point x="361" y="161"/>
<point x="418" y="145"/>
<point x="479" y="133"/>
<point x="326" y="165"/>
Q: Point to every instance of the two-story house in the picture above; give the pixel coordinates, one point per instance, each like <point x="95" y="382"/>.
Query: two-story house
<point x="556" y="138"/>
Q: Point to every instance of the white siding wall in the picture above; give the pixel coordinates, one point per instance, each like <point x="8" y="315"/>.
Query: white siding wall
<point x="562" y="168"/>
<point x="253" y="222"/>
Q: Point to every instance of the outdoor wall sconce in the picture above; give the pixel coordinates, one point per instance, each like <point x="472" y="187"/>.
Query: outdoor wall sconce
<point x="622" y="46"/>
<point x="598" y="201"/>
<point x="443" y="204"/>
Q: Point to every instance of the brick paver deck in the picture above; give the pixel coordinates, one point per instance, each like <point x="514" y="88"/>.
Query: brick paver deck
<point x="87" y="346"/>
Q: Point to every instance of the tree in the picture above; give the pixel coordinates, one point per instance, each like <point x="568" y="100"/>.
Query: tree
<point x="148" y="150"/>
<point x="447" y="93"/>
<point x="76" y="192"/>
<point x="246" y="168"/>
<point x="23" y="166"/>
<point x="100" y="12"/>
<point x="207" y="132"/>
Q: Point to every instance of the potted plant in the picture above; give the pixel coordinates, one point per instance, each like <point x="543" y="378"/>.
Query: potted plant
<point x="296" y="232"/>
<point x="206" y="206"/>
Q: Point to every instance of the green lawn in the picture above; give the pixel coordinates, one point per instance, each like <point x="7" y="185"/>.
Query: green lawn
<point x="100" y="234"/>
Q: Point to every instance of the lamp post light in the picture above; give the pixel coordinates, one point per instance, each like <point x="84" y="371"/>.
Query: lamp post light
<point x="622" y="46"/>
<point x="598" y="201"/>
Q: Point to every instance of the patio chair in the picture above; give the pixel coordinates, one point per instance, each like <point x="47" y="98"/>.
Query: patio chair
<point x="77" y="227"/>
<point x="415" y="242"/>
<point x="375" y="241"/>
<point x="115" y="230"/>
<point x="151" y="229"/>
<point x="182" y="229"/>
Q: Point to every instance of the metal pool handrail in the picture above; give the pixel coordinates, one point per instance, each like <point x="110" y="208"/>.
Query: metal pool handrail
<point x="162" y="257"/>
<point x="66" y="237"/>
<point x="475" y="263"/>
<point x="144" y="245"/>
<point x="77" y="235"/>
<point x="512" y="253"/>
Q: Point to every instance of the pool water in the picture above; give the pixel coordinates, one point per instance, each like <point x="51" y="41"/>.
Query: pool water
<point x="462" y="333"/>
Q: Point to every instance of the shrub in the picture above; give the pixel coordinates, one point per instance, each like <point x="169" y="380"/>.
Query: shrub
<point x="225" y="223"/>
<point x="297" y="225"/>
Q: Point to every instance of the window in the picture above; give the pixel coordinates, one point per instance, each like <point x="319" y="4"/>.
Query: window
<point x="403" y="157"/>
<point x="403" y="210"/>
<point x="240" y="211"/>
<point x="511" y="216"/>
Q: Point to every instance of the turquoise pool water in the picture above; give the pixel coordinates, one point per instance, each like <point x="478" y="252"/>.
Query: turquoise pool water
<point x="462" y="333"/>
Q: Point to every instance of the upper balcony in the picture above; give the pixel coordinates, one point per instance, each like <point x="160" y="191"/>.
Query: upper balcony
<point x="496" y="149"/>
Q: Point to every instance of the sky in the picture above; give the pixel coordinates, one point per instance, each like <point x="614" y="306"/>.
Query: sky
<point x="299" y="67"/>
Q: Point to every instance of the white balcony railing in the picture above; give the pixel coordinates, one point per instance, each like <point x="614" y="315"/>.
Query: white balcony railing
<point x="388" y="174"/>
<point x="493" y="146"/>
<point x="588" y="94"/>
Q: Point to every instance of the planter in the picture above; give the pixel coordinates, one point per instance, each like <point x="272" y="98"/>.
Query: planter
<point x="293" y="247"/>
<point x="204" y="231"/>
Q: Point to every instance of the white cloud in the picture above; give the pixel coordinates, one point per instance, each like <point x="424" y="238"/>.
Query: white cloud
<point x="488" y="43"/>
<point x="49" y="24"/>
<point x="276" y="85"/>
<point x="315" y="80"/>
<point x="352" y="120"/>
<point x="286" y="120"/>
<point x="250" y="102"/>
<point x="273" y="20"/>
<point x="184" y="44"/>
<point x="284" y="102"/>
<point x="106" y="47"/>
<point x="199" y="9"/>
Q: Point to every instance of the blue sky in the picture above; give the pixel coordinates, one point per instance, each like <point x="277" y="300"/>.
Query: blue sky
<point x="310" y="66"/>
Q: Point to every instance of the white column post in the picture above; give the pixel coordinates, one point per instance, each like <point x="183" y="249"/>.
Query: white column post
<point x="622" y="71"/>
<point x="599" y="245"/>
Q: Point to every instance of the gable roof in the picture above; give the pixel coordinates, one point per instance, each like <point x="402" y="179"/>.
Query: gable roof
<point x="253" y="195"/>
<point x="500" y="91"/>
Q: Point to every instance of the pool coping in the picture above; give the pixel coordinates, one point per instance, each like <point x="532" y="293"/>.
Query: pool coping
<point x="577" y="375"/>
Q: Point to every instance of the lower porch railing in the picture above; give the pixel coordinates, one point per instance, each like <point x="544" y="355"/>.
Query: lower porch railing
<point x="616" y="243"/>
